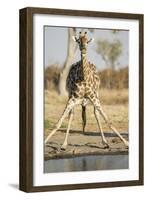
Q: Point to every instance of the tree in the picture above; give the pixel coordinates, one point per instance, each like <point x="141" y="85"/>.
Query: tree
<point x="110" y="51"/>
<point x="71" y="50"/>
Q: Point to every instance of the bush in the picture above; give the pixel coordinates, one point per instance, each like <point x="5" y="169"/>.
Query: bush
<point x="114" y="79"/>
<point x="51" y="77"/>
<point x="110" y="79"/>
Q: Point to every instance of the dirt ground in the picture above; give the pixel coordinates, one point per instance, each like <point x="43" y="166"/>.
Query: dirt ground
<point x="80" y="143"/>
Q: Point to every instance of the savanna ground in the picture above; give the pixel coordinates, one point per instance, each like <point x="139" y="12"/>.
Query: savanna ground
<point x="115" y="105"/>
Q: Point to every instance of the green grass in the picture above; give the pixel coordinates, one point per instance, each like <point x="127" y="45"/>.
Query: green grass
<point x="50" y="124"/>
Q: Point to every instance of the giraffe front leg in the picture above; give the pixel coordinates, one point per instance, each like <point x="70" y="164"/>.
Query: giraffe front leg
<point x="104" y="141"/>
<point x="126" y="143"/>
<point x="63" y="147"/>
<point x="97" y="105"/>
<point x="68" y="108"/>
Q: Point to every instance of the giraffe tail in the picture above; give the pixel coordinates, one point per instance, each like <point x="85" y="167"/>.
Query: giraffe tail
<point x="83" y="117"/>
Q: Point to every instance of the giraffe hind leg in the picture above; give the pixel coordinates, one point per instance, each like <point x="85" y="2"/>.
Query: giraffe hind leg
<point x="83" y="117"/>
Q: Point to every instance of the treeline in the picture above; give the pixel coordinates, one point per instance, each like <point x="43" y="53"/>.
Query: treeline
<point x="115" y="79"/>
<point x="110" y="79"/>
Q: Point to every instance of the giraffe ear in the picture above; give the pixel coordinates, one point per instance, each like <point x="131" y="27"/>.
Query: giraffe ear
<point x="91" y="40"/>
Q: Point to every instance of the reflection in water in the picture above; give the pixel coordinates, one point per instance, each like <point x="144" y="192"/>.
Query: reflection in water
<point x="87" y="163"/>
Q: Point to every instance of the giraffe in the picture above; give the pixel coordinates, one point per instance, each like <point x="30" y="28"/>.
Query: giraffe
<point x="83" y="87"/>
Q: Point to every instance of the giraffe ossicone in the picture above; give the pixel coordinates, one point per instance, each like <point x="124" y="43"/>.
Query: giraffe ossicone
<point x="83" y="86"/>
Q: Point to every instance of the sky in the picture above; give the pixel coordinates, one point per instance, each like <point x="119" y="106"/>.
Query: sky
<point x="56" y="42"/>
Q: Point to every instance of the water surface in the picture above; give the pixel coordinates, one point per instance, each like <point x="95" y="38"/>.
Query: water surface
<point x="87" y="163"/>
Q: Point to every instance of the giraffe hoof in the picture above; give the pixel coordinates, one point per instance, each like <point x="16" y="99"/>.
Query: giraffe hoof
<point x="106" y="146"/>
<point x="127" y="144"/>
<point x="63" y="148"/>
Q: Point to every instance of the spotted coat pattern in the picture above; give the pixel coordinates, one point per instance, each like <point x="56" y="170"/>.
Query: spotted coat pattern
<point x="80" y="85"/>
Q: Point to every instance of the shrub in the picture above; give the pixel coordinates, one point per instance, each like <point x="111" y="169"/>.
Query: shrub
<point x="110" y="79"/>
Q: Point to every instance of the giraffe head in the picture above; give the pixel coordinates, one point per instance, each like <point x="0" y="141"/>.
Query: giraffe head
<point x="82" y="41"/>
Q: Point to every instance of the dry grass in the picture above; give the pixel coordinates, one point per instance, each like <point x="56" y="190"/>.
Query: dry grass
<point x="115" y="104"/>
<point x="113" y="96"/>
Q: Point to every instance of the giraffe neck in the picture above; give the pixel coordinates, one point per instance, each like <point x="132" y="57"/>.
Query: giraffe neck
<point x="84" y="62"/>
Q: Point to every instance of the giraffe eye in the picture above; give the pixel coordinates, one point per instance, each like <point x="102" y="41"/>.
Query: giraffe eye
<point x="80" y="32"/>
<point x="85" y="32"/>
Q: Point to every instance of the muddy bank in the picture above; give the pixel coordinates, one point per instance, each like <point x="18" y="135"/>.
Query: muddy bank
<point x="80" y="144"/>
